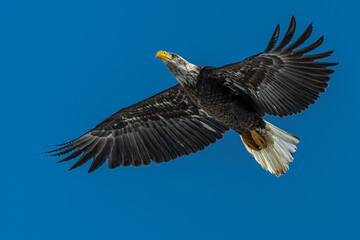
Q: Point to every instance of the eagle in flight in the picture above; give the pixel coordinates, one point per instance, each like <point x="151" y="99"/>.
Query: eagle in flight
<point x="207" y="102"/>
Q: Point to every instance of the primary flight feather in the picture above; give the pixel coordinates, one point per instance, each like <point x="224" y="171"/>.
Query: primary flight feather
<point x="207" y="102"/>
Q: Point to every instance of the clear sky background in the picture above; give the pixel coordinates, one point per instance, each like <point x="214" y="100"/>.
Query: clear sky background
<point x="67" y="65"/>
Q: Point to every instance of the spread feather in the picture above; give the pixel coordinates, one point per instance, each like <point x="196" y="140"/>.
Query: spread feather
<point x="278" y="153"/>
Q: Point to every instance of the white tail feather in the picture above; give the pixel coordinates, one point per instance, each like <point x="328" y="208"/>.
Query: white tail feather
<point x="278" y="153"/>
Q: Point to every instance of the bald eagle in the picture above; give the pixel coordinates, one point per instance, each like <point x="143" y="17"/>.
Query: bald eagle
<point x="207" y="102"/>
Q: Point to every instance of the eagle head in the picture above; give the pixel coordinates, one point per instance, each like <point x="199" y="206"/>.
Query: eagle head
<point x="186" y="73"/>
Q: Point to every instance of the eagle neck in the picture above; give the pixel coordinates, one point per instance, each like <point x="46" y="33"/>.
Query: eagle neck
<point x="185" y="73"/>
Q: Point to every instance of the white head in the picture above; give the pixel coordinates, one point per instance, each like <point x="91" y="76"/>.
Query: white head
<point x="186" y="73"/>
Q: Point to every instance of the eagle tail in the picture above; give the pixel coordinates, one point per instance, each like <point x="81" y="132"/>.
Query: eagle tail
<point x="277" y="149"/>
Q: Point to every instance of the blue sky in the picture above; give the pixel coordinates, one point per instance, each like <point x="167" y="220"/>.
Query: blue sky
<point x="67" y="65"/>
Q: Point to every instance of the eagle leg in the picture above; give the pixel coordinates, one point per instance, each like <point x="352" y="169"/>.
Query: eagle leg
<point x="258" y="139"/>
<point x="248" y="140"/>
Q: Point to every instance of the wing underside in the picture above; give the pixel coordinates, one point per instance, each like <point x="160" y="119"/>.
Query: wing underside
<point x="281" y="80"/>
<point x="161" y="128"/>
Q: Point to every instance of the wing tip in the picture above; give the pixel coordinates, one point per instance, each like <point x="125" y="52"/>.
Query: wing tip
<point x="273" y="39"/>
<point x="73" y="167"/>
<point x="293" y="21"/>
<point x="60" y="161"/>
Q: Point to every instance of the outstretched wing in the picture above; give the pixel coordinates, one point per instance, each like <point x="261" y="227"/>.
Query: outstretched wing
<point x="281" y="81"/>
<point x="161" y="128"/>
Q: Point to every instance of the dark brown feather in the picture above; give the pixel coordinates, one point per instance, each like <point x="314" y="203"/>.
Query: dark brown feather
<point x="282" y="81"/>
<point x="161" y="128"/>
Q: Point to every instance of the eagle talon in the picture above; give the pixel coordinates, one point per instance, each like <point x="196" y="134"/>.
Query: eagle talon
<point x="250" y="142"/>
<point x="258" y="139"/>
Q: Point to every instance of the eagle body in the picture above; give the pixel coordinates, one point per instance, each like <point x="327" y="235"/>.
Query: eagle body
<point x="236" y="111"/>
<point x="282" y="80"/>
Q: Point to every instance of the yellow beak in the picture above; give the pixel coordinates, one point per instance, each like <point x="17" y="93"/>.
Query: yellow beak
<point x="163" y="55"/>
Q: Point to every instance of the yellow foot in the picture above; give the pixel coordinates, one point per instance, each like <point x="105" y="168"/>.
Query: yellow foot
<point x="258" y="139"/>
<point x="250" y="142"/>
